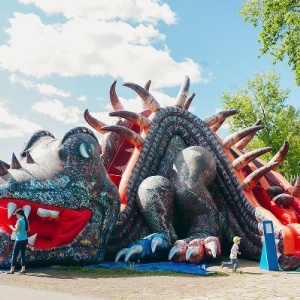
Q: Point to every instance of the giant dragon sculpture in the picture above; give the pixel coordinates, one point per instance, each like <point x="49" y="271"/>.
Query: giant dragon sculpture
<point x="185" y="192"/>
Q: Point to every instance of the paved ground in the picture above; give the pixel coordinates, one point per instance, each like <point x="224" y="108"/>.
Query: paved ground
<point x="251" y="283"/>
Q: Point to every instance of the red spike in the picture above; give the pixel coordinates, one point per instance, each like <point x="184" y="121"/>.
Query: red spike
<point x="15" y="164"/>
<point x="3" y="169"/>
<point x="29" y="158"/>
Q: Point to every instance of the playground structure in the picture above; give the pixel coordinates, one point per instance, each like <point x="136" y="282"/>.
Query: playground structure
<point x="161" y="185"/>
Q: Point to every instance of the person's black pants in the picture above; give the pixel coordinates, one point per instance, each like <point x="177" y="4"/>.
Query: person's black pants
<point x="20" y="246"/>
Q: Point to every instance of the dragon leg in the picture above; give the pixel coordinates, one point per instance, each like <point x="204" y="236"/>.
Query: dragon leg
<point x="156" y="202"/>
<point x="195" y="170"/>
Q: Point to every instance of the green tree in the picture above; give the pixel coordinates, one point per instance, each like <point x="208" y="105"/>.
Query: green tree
<point x="280" y="32"/>
<point x="263" y="99"/>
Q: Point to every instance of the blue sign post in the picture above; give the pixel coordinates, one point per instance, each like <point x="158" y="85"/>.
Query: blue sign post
<point x="268" y="260"/>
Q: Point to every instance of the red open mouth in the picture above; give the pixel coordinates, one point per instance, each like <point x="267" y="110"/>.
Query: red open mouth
<point x="50" y="226"/>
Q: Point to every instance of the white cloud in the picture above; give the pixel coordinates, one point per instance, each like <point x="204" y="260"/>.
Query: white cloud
<point x="82" y="98"/>
<point x="50" y="90"/>
<point x="58" y="111"/>
<point x="149" y="11"/>
<point x="14" y="126"/>
<point x="44" y="89"/>
<point x="86" y="46"/>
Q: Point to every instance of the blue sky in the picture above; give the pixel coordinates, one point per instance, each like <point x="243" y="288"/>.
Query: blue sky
<point x="58" y="58"/>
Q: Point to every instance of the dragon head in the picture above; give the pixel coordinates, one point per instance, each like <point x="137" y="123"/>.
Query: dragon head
<point x="67" y="195"/>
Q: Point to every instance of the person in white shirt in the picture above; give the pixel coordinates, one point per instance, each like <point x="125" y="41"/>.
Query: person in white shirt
<point x="233" y="254"/>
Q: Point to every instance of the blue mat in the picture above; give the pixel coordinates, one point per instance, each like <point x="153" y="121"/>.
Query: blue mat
<point x="155" y="267"/>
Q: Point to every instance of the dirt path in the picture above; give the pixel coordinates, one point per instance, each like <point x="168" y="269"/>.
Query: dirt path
<point x="253" y="283"/>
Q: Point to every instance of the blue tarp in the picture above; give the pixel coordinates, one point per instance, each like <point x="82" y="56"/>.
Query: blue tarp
<point x="154" y="267"/>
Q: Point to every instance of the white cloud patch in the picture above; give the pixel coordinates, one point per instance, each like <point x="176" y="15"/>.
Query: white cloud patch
<point x="85" y="45"/>
<point x="44" y="89"/>
<point x="82" y="98"/>
<point x="58" y="111"/>
<point x="149" y="11"/>
<point x="12" y="126"/>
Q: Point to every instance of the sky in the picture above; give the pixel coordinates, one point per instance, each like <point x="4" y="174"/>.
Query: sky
<point x="58" y="58"/>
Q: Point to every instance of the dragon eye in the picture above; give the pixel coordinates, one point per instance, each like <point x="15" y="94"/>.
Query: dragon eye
<point x="86" y="150"/>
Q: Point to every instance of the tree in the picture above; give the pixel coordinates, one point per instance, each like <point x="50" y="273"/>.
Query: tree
<point x="280" y="33"/>
<point x="264" y="99"/>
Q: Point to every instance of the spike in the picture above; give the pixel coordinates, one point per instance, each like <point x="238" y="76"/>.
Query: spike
<point x="237" y="136"/>
<point x="130" y="135"/>
<point x="188" y="101"/>
<point x="115" y="102"/>
<point x="182" y="94"/>
<point x="6" y="165"/>
<point x="296" y="188"/>
<point x="281" y="154"/>
<point x="138" y="119"/>
<point x="220" y="116"/>
<point x="93" y="122"/>
<point x="29" y="158"/>
<point x="215" y="127"/>
<point x="15" y="164"/>
<point x="242" y="161"/>
<point x="3" y="169"/>
<point x="147" y="98"/>
<point x="251" y="180"/>
<point x="246" y="140"/>
<point x="147" y="85"/>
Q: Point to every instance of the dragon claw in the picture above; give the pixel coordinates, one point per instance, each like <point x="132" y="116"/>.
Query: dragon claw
<point x="156" y="241"/>
<point x="192" y="251"/>
<point x="136" y="249"/>
<point x="212" y="246"/>
<point x="120" y="254"/>
<point x="178" y="251"/>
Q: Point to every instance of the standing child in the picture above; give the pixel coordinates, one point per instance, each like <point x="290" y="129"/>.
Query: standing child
<point x="21" y="228"/>
<point x="233" y="254"/>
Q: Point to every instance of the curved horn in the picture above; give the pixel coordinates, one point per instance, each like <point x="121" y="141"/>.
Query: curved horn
<point x="246" y="140"/>
<point x="3" y="169"/>
<point x="147" y="85"/>
<point x="133" y="117"/>
<point x="15" y="164"/>
<point x="251" y="180"/>
<point x="148" y="99"/>
<point x="97" y="125"/>
<point x="115" y="102"/>
<point x="29" y="158"/>
<point x="183" y="92"/>
<point x="220" y="116"/>
<point x="296" y="188"/>
<point x="242" y="161"/>
<point x="128" y="134"/>
<point x="237" y="136"/>
<point x="281" y="154"/>
<point x="188" y="102"/>
<point x="216" y="126"/>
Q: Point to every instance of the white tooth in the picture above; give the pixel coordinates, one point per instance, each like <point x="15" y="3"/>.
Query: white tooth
<point x="27" y="209"/>
<point x="11" y="207"/>
<point x="41" y="212"/>
<point x="31" y="239"/>
<point x="47" y="213"/>
<point x="53" y="213"/>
